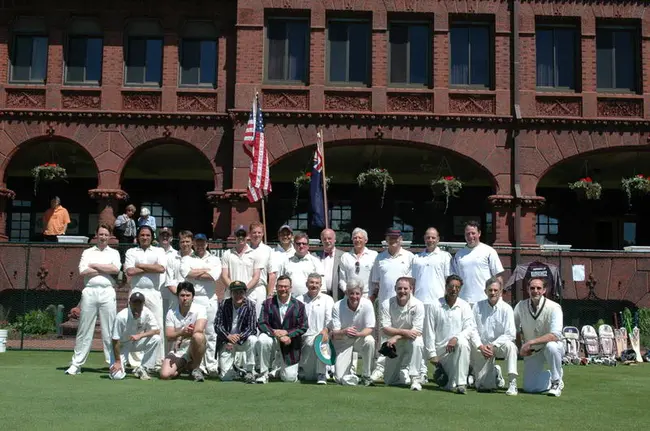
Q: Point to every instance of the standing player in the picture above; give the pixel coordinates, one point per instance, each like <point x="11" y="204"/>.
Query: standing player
<point x="300" y="265"/>
<point x="264" y="253"/>
<point x="357" y="263"/>
<point x="240" y="263"/>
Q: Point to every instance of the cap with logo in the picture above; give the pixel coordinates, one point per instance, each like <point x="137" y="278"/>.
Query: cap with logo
<point x="237" y="285"/>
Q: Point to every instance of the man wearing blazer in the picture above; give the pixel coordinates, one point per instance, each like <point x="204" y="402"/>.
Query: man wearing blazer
<point x="282" y="323"/>
<point x="330" y="258"/>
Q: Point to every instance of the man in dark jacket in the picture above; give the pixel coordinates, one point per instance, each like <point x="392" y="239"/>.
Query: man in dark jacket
<point x="236" y="326"/>
<point x="282" y="323"/>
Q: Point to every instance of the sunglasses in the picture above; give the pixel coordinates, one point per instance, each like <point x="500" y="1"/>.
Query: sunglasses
<point x="357" y="267"/>
<point x="302" y="244"/>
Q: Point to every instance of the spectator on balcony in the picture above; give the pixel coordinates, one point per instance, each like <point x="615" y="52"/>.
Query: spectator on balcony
<point x="124" y="227"/>
<point x="55" y="221"/>
<point x="146" y="219"/>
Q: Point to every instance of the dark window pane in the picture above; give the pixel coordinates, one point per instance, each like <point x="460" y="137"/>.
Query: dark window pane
<point x="419" y="54"/>
<point x="297" y="38"/>
<point x="480" y="56"/>
<point x="338" y="39"/>
<point x="22" y="58"/>
<point x="604" y="58"/>
<point x="565" y="48"/>
<point x="358" y="52"/>
<point x="545" y="59"/>
<point x="76" y="59"/>
<point x="276" y="34"/>
<point x="39" y="59"/>
<point x="94" y="55"/>
<point x="625" y="60"/>
<point x="459" y="55"/>
<point x="154" y="61"/>
<point x="135" y="61"/>
<point x="190" y="62"/>
<point x="398" y="53"/>
<point x="208" y="61"/>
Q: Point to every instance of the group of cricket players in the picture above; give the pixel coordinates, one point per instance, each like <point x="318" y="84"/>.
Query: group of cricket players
<point x="292" y="315"/>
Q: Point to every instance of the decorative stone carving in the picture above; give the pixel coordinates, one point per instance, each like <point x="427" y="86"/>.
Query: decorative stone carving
<point x="26" y="99"/>
<point x="347" y="101"/>
<point x="501" y="201"/>
<point x="409" y="102"/>
<point x="141" y="101"/>
<point x="559" y="107"/>
<point x="81" y="100"/>
<point x="286" y="100"/>
<point x="472" y="104"/>
<point x="196" y="102"/>
<point x="507" y="201"/>
<point x="108" y="194"/>
<point x="6" y="193"/>
<point x="217" y="197"/>
<point x="532" y="202"/>
<point x="620" y="108"/>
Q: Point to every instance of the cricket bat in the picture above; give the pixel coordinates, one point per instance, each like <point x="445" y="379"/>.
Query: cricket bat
<point x="635" y="342"/>
<point x="620" y="335"/>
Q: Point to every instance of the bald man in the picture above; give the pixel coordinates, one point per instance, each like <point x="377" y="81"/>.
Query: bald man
<point x="330" y="258"/>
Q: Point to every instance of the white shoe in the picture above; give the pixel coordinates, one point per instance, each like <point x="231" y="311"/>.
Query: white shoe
<point x="377" y="375"/>
<point x="73" y="370"/>
<point x="415" y="384"/>
<point x="512" y="387"/>
<point x="470" y="381"/>
<point x="321" y="379"/>
<point x="501" y="383"/>
<point x="141" y="373"/>
<point x="556" y="389"/>
<point x="263" y="379"/>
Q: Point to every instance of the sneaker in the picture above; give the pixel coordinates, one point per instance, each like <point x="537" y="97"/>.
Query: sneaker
<point x="501" y="383"/>
<point x="512" y="387"/>
<point x="461" y="389"/>
<point x="198" y="376"/>
<point x="141" y="373"/>
<point x="249" y="378"/>
<point x="321" y="379"/>
<point x="73" y="370"/>
<point x="415" y="384"/>
<point x="262" y="379"/>
<point x="366" y="381"/>
<point x="377" y="375"/>
<point x="556" y="388"/>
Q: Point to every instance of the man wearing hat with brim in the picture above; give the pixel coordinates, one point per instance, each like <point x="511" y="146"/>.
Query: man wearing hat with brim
<point x="391" y="264"/>
<point x="236" y="326"/>
<point x="284" y="250"/>
<point x="135" y="330"/>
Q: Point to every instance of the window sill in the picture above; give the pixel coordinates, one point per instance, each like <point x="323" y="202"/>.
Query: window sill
<point x="613" y="92"/>
<point x="19" y="84"/>
<point x="140" y="88"/>
<point x="470" y="89"/>
<point x="81" y="87"/>
<point x="556" y="90"/>
<point x="409" y="87"/>
<point x="294" y="84"/>
<point x="197" y="88"/>
<point x="348" y="85"/>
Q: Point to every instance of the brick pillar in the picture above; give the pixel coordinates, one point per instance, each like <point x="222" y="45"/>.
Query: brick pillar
<point x="108" y="200"/>
<point x="529" y="207"/>
<point x="241" y="210"/>
<point x="502" y="221"/>
<point x="220" y="214"/>
<point x="6" y="195"/>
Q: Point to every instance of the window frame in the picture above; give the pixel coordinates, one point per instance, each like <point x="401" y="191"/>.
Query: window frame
<point x="24" y="209"/>
<point x="429" y="54"/>
<point x="328" y="49"/>
<point x="550" y="221"/>
<point x="635" y="30"/>
<point x="133" y="33"/>
<point x="267" y="46"/>
<point x="14" y="51"/>
<point x="344" y="236"/>
<point x="491" y="55"/>
<point x="577" y="65"/>
<point x="85" y="82"/>
<point x="181" y="48"/>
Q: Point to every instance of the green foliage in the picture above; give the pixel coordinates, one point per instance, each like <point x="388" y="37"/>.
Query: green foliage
<point x="4" y="317"/>
<point x="36" y="322"/>
<point x="644" y="321"/>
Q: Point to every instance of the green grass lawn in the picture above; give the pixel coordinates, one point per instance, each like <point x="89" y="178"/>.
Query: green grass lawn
<point x="35" y="394"/>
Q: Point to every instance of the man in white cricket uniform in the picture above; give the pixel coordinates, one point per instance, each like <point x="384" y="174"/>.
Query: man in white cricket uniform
<point x="318" y="308"/>
<point x="173" y="271"/>
<point x="391" y="264"/>
<point x="300" y="265"/>
<point x="241" y="264"/>
<point x="357" y="263"/>
<point x="97" y="265"/>
<point x="185" y="328"/>
<point x="145" y="265"/>
<point x="475" y="263"/>
<point x="540" y="321"/>
<point x="430" y="269"/>
<point x="265" y="255"/>
<point x="402" y="317"/>
<point x="450" y="334"/>
<point x="203" y="269"/>
<point x="135" y="330"/>
<point x="330" y="258"/>
<point x="353" y="323"/>
<point x="495" y="323"/>
<point x="284" y="250"/>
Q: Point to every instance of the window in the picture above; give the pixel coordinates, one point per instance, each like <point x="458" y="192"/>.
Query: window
<point x="616" y="58"/>
<point x="144" y="54"/>
<point x="629" y="234"/>
<point x="403" y="209"/>
<point x="84" y="53"/>
<point x="556" y="57"/>
<point x="29" y="55"/>
<point x="161" y="214"/>
<point x="299" y="221"/>
<point x="21" y="221"/>
<point x="349" y="52"/>
<point x="471" y="55"/>
<point x="410" y="50"/>
<point x="287" y="50"/>
<point x="340" y="219"/>
<point x="199" y="55"/>
<point x="547" y="229"/>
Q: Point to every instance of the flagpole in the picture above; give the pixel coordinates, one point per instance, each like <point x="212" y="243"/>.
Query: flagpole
<point x="264" y="217"/>
<point x="324" y="181"/>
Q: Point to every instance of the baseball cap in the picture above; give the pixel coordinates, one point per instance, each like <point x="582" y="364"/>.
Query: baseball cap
<point x="237" y="285"/>
<point x="285" y="226"/>
<point x="393" y="232"/>
<point x="166" y="230"/>
<point x="200" y="236"/>
<point x="136" y="297"/>
<point x="240" y="228"/>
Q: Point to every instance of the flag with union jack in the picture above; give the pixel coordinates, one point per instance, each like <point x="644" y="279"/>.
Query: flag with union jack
<point x="259" y="179"/>
<point x="316" y="195"/>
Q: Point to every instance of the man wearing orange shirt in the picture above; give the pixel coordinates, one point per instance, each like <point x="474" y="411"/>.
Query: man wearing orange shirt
<point x="55" y="221"/>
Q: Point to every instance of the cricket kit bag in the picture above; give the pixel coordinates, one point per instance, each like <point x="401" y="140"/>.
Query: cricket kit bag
<point x="606" y="341"/>
<point x="590" y="341"/>
<point x="571" y="340"/>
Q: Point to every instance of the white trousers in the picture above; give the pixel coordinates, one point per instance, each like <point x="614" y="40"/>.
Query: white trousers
<point x="95" y="301"/>
<point x="227" y="358"/>
<point x="485" y="373"/>
<point x="209" y="364"/>
<point x="310" y="366"/>
<point x="536" y="378"/>
<point x="153" y="301"/>
<point x="407" y="363"/>
<point x="456" y="364"/>
<point x="267" y="348"/>
<point x="148" y="346"/>
<point x="344" y="356"/>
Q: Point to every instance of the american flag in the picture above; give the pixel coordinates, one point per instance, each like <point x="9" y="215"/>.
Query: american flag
<point x="259" y="180"/>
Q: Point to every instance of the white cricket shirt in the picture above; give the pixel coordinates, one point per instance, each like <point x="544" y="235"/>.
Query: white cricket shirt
<point x="475" y="266"/>
<point x="410" y="316"/>
<point x="298" y="269"/>
<point x="318" y="311"/>
<point x="126" y="325"/>
<point x="430" y="269"/>
<point x="348" y="268"/>
<point x="388" y="268"/>
<point x="547" y="319"/>
<point x="107" y="256"/>
<point x="495" y="325"/>
<point x="202" y="287"/>
<point x="363" y="317"/>
<point x="150" y="256"/>
<point x="443" y="323"/>
<point x="176" y="320"/>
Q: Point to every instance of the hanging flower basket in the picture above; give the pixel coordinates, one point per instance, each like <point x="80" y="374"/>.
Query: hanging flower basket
<point x="48" y="172"/>
<point x="588" y="187"/>
<point x="302" y="180"/>
<point x="638" y="183"/>
<point x="377" y="178"/>
<point x="448" y="186"/>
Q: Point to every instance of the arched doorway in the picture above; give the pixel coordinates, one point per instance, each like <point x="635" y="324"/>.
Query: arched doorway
<point x="608" y="223"/>
<point x="171" y="179"/>
<point x="26" y="212"/>
<point x="409" y="204"/>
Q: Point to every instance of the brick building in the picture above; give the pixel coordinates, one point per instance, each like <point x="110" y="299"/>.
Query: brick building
<point x="145" y="102"/>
